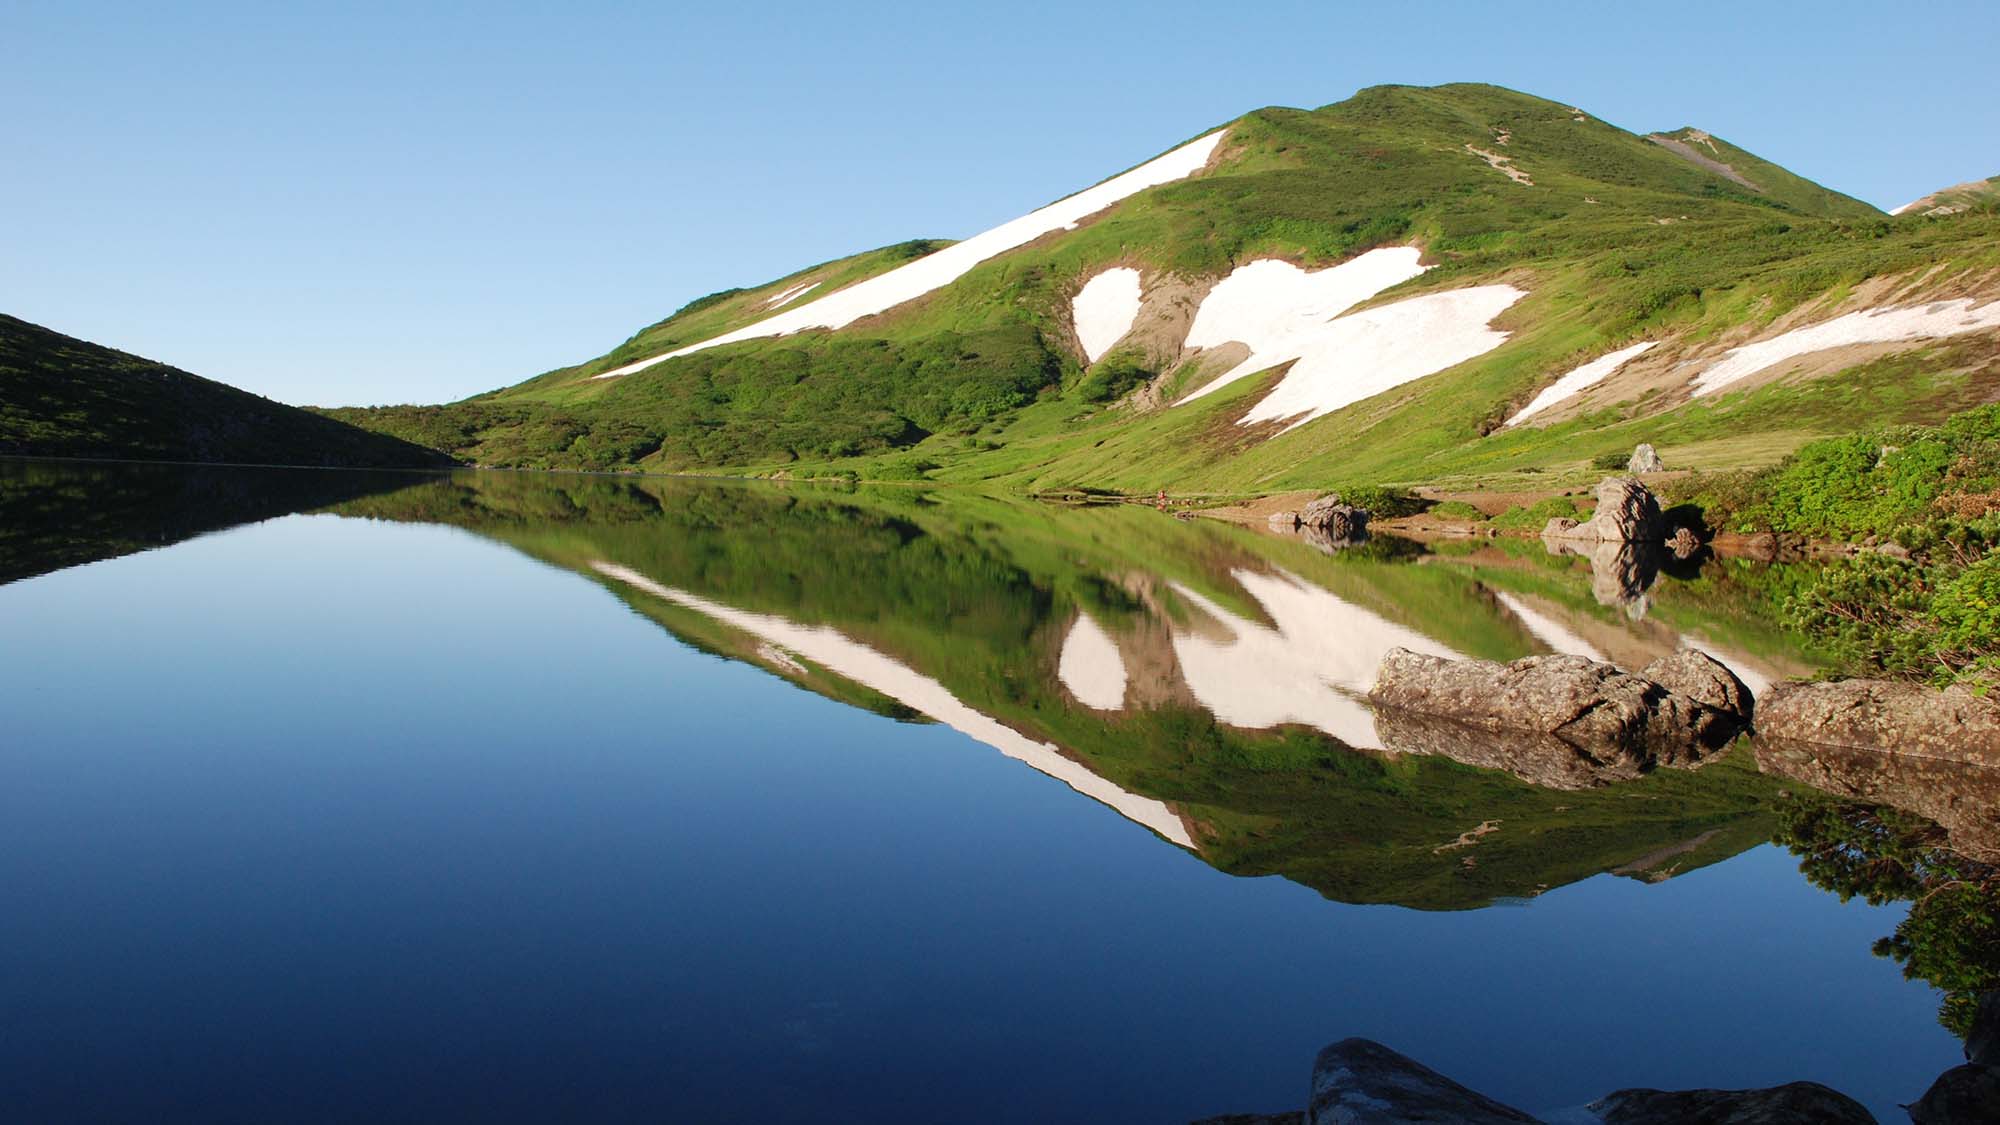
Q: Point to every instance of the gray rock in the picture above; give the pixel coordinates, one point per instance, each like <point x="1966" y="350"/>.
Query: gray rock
<point x="1592" y="706"/>
<point x="1779" y="1105"/>
<point x="1361" y="1082"/>
<point x="1627" y="512"/>
<point x="1645" y="460"/>
<point x="1963" y="1095"/>
<point x="1683" y="543"/>
<point x="1702" y="678"/>
<point x="1341" y="522"/>
<point x="1899" y="719"/>
<point x="1982" y="1044"/>
<point x="1558" y="527"/>
<point x="1283" y="521"/>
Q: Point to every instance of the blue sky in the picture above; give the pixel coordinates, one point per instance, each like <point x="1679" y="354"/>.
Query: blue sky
<point x="415" y="202"/>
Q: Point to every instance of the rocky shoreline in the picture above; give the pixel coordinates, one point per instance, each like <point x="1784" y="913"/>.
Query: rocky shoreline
<point x="1362" y="1082"/>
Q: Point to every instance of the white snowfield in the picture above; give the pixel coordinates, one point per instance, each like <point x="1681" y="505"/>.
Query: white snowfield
<point x="871" y="669"/>
<point x="1870" y="326"/>
<point x="1579" y="380"/>
<point x="1278" y="309"/>
<point x="1362" y="355"/>
<point x="792" y="294"/>
<point x="1314" y="668"/>
<point x="1282" y="313"/>
<point x="908" y="282"/>
<point x="1548" y="630"/>
<point x="1104" y="309"/>
<point x="1090" y="666"/>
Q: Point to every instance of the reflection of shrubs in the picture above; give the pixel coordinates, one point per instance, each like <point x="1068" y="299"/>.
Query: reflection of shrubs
<point x="1951" y="936"/>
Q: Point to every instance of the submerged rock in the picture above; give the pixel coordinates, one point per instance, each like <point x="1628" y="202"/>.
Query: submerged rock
<point x="1778" y="1105"/>
<point x="1887" y="717"/>
<point x="1627" y="512"/>
<point x="1961" y="798"/>
<point x="1361" y="1082"/>
<point x="1593" y="706"/>
<point x="1541" y="760"/>
<point x="1645" y="460"/>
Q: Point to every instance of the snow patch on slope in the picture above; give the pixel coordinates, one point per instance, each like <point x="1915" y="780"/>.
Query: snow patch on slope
<point x="1104" y="309"/>
<point x="1314" y="668"/>
<point x="1869" y="326"/>
<point x="1278" y="310"/>
<point x="1361" y="355"/>
<point x="857" y="662"/>
<point x="1090" y="666"/>
<point x="790" y="295"/>
<point x="908" y="282"/>
<point x="1579" y="380"/>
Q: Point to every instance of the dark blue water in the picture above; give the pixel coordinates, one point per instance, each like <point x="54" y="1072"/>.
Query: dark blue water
<point x="330" y="818"/>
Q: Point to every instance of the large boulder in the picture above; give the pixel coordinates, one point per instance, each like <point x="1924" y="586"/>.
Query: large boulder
<point x="1702" y="678"/>
<point x="1778" y="1105"/>
<point x="1593" y="706"/>
<point x="1361" y="1082"/>
<point x="1340" y="521"/>
<point x="1627" y="512"/>
<point x="1887" y="717"/>
<point x="1645" y="460"/>
<point x="1963" y="1095"/>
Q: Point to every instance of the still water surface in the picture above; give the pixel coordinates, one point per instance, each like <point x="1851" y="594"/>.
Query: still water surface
<point x="515" y="797"/>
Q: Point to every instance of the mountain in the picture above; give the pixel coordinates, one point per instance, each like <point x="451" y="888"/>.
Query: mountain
<point x="1976" y="195"/>
<point x="1417" y="285"/>
<point x="64" y="397"/>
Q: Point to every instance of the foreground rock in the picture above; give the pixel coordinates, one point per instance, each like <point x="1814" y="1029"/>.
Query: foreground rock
<point x="1592" y="706"/>
<point x="1627" y="512"/>
<point x="1361" y="1082"/>
<point x="1887" y="717"/>
<point x="1779" y="1105"/>
<point x="1645" y="460"/>
<point x="1969" y="1093"/>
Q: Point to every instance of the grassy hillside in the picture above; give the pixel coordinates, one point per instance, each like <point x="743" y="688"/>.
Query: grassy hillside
<point x="64" y="397"/>
<point x="1681" y="238"/>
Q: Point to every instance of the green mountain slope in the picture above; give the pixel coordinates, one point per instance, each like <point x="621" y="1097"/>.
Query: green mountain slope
<point x="1681" y="240"/>
<point x="64" y="397"/>
<point x="1768" y="180"/>
<point x="1977" y="195"/>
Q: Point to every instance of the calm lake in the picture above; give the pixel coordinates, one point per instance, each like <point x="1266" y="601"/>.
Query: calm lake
<point x="350" y="796"/>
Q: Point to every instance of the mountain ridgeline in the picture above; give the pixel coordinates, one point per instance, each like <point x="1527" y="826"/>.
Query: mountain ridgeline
<point x="64" y="397"/>
<point x="1454" y="253"/>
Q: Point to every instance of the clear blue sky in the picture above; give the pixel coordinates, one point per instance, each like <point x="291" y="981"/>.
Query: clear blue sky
<point x="413" y="202"/>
